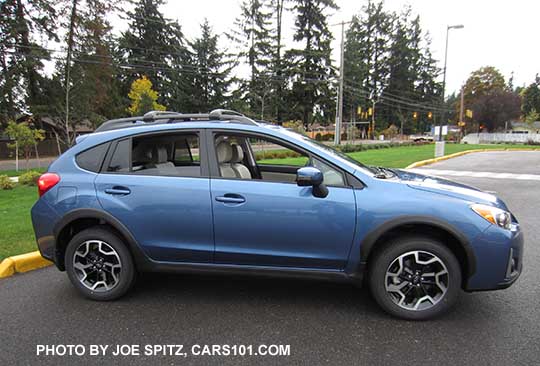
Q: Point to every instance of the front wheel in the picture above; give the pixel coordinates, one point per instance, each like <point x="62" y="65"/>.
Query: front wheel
<point x="99" y="264"/>
<point x="415" y="278"/>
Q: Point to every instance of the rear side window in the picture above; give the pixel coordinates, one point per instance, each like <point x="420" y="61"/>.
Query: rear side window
<point x="92" y="159"/>
<point x="175" y="155"/>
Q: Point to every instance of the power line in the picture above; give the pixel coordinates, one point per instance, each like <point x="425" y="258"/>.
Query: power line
<point x="400" y="101"/>
<point x="154" y="68"/>
<point x="356" y="84"/>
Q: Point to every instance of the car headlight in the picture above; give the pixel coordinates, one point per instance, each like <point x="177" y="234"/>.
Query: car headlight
<point x="494" y="215"/>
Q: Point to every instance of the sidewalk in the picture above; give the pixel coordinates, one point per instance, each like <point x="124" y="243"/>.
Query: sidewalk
<point x="32" y="163"/>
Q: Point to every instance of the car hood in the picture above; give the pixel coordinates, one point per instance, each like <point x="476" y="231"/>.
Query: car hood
<point x="447" y="187"/>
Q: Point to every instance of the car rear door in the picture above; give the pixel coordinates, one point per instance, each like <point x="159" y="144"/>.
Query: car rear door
<point x="166" y="203"/>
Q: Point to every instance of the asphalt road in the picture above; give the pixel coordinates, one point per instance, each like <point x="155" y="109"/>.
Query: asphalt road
<point x="324" y="323"/>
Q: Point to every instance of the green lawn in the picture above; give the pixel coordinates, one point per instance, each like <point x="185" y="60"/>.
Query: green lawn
<point x="14" y="173"/>
<point x="398" y="157"/>
<point x="16" y="234"/>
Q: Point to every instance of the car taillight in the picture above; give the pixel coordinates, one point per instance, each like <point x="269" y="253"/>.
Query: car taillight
<point x="46" y="182"/>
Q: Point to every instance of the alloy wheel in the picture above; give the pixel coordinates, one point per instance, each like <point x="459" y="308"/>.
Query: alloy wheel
<point x="97" y="265"/>
<point x="416" y="280"/>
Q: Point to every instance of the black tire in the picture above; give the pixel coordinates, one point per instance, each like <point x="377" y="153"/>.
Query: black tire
<point x="395" y="248"/>
<point x="126" y="275"/>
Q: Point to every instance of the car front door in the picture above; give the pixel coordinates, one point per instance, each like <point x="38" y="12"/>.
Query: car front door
<point x="157" y="186"/>
<point x="264" y="218"/>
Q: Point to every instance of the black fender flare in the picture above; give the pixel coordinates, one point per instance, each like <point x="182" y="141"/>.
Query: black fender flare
<point x="140" y="258"/>
<point x="371" y="238"/>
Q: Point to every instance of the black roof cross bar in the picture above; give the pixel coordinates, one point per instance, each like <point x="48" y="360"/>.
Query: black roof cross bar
<point x="162" y="117"/>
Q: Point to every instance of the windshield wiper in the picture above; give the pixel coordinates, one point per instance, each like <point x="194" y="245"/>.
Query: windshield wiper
<point x="382" y="173"/>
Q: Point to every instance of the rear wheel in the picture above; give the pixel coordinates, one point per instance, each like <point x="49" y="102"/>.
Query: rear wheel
<point x="415" y="278"/>
<point x="99" y="264"/>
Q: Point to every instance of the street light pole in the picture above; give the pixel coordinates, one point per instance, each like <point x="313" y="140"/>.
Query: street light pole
<point x="439" y="146"/>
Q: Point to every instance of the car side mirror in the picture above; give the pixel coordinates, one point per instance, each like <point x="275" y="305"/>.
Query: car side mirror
<point x="309" y="176"/>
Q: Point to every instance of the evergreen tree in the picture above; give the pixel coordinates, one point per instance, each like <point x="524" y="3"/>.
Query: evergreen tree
<point x="356" y="71"/>
<point x="212" y="79"/>
<point x="428" y="87"/>
<point x="253" y="40"/>
<point x="388" y="60"/>
<point x="154" y="46"/>
<point x="311" y="66"/>
<point x="22" y="23"/>
<point x="367" y="53"/>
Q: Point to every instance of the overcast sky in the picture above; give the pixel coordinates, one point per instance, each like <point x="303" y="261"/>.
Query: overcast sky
<point x="501" y="33"/>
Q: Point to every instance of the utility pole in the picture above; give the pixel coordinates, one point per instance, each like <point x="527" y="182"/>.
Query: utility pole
<point x="339" y="106"/>
<point x="461" y="123"/>
<point x="461" y="106"/>
<point x="374" y="97"/>
<point x="373" y="118"/>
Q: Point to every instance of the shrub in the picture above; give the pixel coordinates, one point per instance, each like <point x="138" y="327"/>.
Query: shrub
<point x="29" y="178"/>
<point x="532" y="142"/>
<point x="5" y="182"/>
<point x="318" y="136"/>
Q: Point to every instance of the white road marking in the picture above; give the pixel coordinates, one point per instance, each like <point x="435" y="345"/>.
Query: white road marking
<point x="467" y="173"/>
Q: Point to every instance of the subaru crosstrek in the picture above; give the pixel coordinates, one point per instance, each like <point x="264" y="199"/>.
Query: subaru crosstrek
<point x="221" y="193"/>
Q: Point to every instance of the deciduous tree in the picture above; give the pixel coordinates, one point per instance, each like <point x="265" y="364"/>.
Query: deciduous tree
<point x="143" y="97"/>
<point x="25" y="138"/>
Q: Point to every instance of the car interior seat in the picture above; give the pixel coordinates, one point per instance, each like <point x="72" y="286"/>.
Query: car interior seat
<point x="237" y="162"/>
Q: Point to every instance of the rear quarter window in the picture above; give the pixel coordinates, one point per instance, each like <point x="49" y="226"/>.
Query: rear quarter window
<point x="92" y="158"/>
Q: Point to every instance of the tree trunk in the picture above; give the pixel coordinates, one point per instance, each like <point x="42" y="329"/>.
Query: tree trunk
<point x="68" y="66"/>
<point x="57" y="143"/>
<point x="37" y="154"/>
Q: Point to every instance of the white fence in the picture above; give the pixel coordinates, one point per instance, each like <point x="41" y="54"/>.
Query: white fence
<point x="486" y="138"/>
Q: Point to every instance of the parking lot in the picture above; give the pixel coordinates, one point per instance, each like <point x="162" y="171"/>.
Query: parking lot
<point x="324" y="323"/>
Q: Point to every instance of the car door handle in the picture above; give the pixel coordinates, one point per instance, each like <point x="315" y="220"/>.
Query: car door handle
<point x="231" y="198"/>
<point x="118" y="190"/>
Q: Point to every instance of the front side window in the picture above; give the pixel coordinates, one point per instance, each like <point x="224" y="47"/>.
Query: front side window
<point x="257" y="158"/>
<point x="332" y="177"/>
<point x="158" y="155"/>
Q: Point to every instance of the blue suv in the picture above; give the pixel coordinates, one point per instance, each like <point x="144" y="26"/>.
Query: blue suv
<point x="221" y="193"/>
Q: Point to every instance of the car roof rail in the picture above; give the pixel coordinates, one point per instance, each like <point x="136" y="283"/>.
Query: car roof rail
<point x="163" y="117"/>
<point x="226" y="114"/>
<point x="153" y="115"/>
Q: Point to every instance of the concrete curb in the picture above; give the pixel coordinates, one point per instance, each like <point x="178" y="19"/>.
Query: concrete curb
<point x="22" y="263"/>
<point x="455" y="155"/>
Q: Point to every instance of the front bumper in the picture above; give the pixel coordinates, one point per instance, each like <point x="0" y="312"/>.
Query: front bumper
<point x="514" y="266"/>
<point x="499" y="255"/>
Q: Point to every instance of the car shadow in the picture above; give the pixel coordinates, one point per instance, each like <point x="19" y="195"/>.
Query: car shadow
<point x="231" y="289"/>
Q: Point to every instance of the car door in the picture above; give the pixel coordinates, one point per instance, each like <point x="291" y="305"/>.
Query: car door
<point x="269" y="220"/>
<point x="161" y="194"/>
